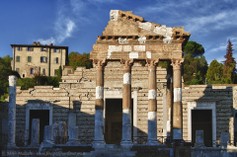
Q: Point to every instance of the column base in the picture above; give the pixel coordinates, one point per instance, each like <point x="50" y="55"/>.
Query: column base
<point x="73" y="142"/>
<point x="98" y="144"/>
<point x="126" y="143"/>
<point x="152" y="142"/>
<point x="11" y="145"/>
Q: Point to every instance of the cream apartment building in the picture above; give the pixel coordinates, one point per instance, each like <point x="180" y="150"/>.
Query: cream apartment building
<point x="38" y="59"/>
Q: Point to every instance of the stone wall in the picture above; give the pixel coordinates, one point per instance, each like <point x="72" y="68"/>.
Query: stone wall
<point x="82" y="86"/>
<point x="77" y="92"/>
<point x="221" y="96"/>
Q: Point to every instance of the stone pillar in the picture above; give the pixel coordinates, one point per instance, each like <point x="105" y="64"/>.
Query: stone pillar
<point x="12" y="111"/>
<point x="152" y="103"/>
<point x="199" y="138"/>
<point x="99" y="104"/>
<point x="72" y="129"/>
<point x="127" y="103"/>
<point x="177" y="100"/>
<point x="35" y="132"/>
<point x="48" y="138"/>
<point x="48" y="135"/>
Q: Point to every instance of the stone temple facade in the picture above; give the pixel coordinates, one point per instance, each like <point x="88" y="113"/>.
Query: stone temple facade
<point x="128" y="98"/>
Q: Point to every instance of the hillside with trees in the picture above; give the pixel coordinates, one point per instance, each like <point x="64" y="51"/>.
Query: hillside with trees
<point x="223" y="73"/>
<point x="80" y="60"/>
<point x="5" y="70"/>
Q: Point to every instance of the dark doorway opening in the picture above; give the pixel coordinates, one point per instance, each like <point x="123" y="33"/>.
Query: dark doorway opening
<point x="43" y="116"/>
<point x="202" y="120"/>
<point x="113" y="121"/>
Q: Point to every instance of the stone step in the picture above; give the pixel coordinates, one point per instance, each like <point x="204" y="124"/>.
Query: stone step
<point x="111" y="151"/>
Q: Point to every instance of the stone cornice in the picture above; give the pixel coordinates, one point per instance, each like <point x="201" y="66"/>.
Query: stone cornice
<point x="128" y="15"/>
<point x="177" y="37"/>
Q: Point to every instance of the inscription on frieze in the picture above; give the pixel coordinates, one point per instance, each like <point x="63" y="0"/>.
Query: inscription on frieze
<point x="127" y="48"/>
<point x="169" y="47"/>
<point x="139" y="48"/>
<point x="133" y="55"/>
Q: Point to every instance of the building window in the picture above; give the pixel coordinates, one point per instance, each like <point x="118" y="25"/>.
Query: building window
<point x="43" y="49"/>
<point x="56" y="60"/>
<point x="29" y="58"/>
<point x="55" y="50"/>
<point x="43" y="59"/>
<point x="31" y="71"/>
<point x="19" y="48"/>
<point x="30" y="49"/>
<point x="18" y="58"/>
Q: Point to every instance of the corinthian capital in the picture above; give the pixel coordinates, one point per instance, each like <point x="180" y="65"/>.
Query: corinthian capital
<point x="152" y="62"/>
<point x="99" y="63"/>
<point x="176" y="63"/>
<point x="126" y="63"/>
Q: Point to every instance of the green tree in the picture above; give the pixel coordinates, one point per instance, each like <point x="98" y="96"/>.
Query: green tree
<point x="26" y="83"/>
<point x="5" y="70"/>
<point x="193" y="49"/>
<point x="38" y="80"/>
<point x="59" y="72"/>
<point x="214" y="73"/>
<point x="229" y="69"/>
<point x="80" y="60"/>
<point x="195" y="64"/>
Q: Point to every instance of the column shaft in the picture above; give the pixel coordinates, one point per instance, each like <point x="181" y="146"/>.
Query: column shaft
<point x="99" y="105"/>
<point x="177" y="100"/>
<point x="12" y="111"/>
<point x="127" y="100"/>
<point x="152" y="103"/>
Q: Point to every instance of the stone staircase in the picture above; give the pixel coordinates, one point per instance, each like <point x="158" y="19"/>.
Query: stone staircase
<point x="111" y="151"/>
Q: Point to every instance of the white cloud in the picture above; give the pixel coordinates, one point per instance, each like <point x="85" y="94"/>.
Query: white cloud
<point x="64" y="29"/>
<point x="221" y="20"/>
<point x="64" y="25"/>
<point x="71" y="15"/>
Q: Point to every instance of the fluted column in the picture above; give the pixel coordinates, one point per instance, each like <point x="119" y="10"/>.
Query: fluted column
<point x="99" y="104"/>
<point x="127" y="100"/>
<point x="12" y="111"/>
<point x="177" y="100"/>
<point x="152" y="102"/>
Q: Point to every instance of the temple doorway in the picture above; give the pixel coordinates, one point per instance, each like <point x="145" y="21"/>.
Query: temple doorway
<point x="113" y="121"/>
<point x="202" y="120"/>
<point x="43" y="116"/>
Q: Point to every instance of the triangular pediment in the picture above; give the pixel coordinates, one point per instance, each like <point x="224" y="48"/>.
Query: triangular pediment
<point x="125" y="23"/>
<point x="128" y="36"/>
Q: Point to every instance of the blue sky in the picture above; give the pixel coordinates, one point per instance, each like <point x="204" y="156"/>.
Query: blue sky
<point x="77" y="23"/>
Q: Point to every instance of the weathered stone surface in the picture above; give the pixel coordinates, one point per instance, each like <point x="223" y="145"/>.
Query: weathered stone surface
<point x="60" y="132"/>
<point x="35" y="132"/>
<point x="199" y="138"/>
<point x="12" y="112"/>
